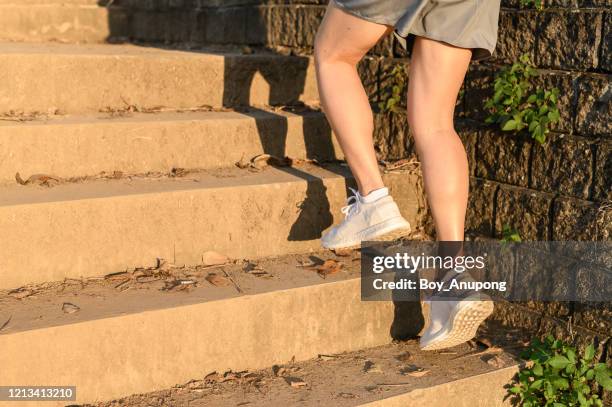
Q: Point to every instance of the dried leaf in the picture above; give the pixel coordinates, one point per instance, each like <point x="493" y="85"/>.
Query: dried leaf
<point x="403" y="164"/>
<point x="147" y="279"/>
<point x="39" y="179"/>
<point x="178" y="172"/>
<point x="212" y="258"/>
<point x="121" y="284"/>
<point x="211" y="377"/>
<point x="485" y="341"/>
<point x="278" y="370"/>
<point x="242" y="164"/>
<point x="328" y="357"/>
<point x="116" y="276"/>
<point x="4" y="325"/>
<point x="217" y="280"/>
<point x="253" y="268"/>
<point x="328" y="268"/>
<point x="414" y="371"/>
<point x="70" y="308"/>
<point x="343" y="252"/>
<point x="370" y="367"/>
<point x="495" y="361"/>
<point x="295" y="382"/>
<point x="21" y="293"/>
<point x="404" y="357"/>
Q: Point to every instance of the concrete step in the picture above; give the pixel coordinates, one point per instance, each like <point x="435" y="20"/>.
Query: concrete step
<point x="139" y="143"/>
<point x="71" y="21"/>
<point x="78" y="79"/>
<point x="102" y="226"/>
<point x="129" y="333"/>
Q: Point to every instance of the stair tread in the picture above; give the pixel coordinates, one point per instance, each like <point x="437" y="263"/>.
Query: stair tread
<point x="61" y="49"/>
<point x="340" y="380"/>
<point x="153" y="117"/>
<point x="69" y="3"/>
<point x="207" y="179"/>
<point x="40" y="306"/>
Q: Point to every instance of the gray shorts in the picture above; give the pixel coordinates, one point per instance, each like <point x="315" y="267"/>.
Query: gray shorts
<point x="462" y="23"/>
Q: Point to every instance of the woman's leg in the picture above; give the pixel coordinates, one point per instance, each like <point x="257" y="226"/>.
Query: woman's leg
<point x="341" y="42"/>
<point x="437" y="71"/>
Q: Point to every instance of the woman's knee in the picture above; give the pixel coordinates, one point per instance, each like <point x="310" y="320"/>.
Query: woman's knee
<point x="427" y="121"/>
<point x="326" y="52"/>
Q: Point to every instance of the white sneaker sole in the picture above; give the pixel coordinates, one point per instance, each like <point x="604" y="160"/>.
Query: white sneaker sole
<point x="391" y="229"/>
<point x="462" y="325"/>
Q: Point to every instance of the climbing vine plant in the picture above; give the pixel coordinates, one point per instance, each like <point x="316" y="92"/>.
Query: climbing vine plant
<point x="538" y="4"/>
<point x="516" y="105"/>
<point x="392" y="94"/>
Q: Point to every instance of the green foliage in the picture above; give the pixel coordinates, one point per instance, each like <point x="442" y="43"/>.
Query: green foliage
<point x="510" y="235"/>
<point x="392" y="94"/>
<point x="559" y="377"/>
<point x="538" y="4"/>
<point x="514" y="106"/>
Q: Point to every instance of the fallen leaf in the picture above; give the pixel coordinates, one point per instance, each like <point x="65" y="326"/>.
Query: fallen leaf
<point x="121" y="284"/>
<point x="217" y="280"/>
<point x="278" y="370"/>
<point x="343" y="252"/>
<point x="485" y="341"/>
<point x="295" y="382"/>
<point x="115" y="276"/>
<point x="404" y="357"/>
<point x="211" y="377"/>
<point x="21" y="293"/>
<point x="70" y="308"/>
<point x="211" y="258"/>
<point x="329" y="267"/>
<point x="4" y="325"/>
<point x="406" y="163"/>
<point x="242" y="164"/>
<point x="370" y="367"/>
<point x="328" y="357"/>
<point x="147" y="279"/>
<point x="495" y="361"/>
<point x="178" y="172"/>
<point x="253" y="268"/>
<point x="39" y="179"/>
<point x="306" y="263"/>
<point x="414" y="371"/>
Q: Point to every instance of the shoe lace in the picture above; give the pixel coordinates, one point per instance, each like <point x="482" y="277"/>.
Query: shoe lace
<point x="353" y="203"/>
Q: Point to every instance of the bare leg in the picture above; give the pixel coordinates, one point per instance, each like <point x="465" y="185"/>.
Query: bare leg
<point x="437" y="71"/>
<point x="342" y="40"/>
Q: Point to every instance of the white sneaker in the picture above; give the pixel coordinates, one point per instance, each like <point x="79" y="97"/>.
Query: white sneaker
<point x="451" y="321"/>
<point x="378" y="220"/>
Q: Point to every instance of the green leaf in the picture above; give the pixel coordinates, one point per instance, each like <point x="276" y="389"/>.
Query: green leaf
<point x="600" y="366"/>
<point x="509" y="125"/>
<point x="538" y="370"/>
<point x="515" y="390"/>
<point x="589" y="353"/>
<point x="603" y="378"/>
<point x="536" y="384"/>
<point x="559" y="362"/>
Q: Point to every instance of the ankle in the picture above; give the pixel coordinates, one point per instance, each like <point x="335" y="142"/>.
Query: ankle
<point x="375" y="194"/>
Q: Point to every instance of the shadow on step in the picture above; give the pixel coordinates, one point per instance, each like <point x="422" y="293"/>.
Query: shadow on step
<point x="246" y="77"/>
